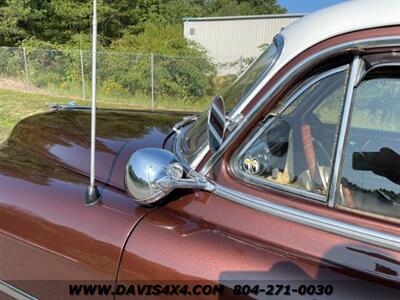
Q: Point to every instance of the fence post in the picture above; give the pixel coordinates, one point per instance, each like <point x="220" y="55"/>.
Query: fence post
<point x="82" y="76"/>
<point x="26" y="69"/>
<point x="152" y="81"/>
<point x="241" y="64"/>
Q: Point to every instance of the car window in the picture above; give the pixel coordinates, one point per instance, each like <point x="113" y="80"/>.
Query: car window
<point x="234" y="95"/>
<point x="295" y="149"/>
<point x="238" y="91"/>
<point x="370" y="179"/>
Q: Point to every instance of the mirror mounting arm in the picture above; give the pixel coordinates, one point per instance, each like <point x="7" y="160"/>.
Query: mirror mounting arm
<point x="234" y="121"/>
<point x="168" y="183"/>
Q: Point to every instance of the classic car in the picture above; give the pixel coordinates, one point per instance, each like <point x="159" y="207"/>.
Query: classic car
<point x="288" y="186"/>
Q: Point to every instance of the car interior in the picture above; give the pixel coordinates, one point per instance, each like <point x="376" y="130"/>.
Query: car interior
<point x="296" y="147"/>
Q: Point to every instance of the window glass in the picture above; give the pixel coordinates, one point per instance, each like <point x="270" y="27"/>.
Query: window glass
<point x="249" y="79"/>
<point x="196" y="135"/>
<point x="296" y="148"/>
<point x="371" y="169"/>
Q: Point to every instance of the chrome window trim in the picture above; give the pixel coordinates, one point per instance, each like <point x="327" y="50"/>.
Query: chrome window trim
<point x="342" y="228"/>
<point x="383" y="65"/>
<point x="365" y="71"/>
<point x="279" y="42"/>
<point x="14" y="292"/>
<point x="344" y="125"/>
<point x="234" y="161"/>
<point x="356" y="45"/>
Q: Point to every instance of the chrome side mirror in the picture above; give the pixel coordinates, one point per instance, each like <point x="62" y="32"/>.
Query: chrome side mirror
<point x="216" y="123"/>
<point x="153" y="173"/>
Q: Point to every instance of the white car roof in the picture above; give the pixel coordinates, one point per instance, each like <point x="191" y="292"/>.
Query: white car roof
<point x="329" y="22"/>
<point x="335" y="20"/>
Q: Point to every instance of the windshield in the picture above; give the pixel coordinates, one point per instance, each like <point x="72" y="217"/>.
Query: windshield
<point x="196" y="136"/>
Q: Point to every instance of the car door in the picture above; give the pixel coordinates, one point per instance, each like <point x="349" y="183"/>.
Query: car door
<point x="271" y="227"/>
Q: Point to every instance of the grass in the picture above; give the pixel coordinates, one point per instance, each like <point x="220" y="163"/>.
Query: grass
<point x="17" y="105"/>
<point x="14" y="106"/>
<point x="123" y="99"/>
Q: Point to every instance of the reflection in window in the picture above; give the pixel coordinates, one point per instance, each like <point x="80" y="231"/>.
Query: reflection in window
<point x="371" y="170"/>
<point x="196" y="135"/>
<point x="249" y="79"/>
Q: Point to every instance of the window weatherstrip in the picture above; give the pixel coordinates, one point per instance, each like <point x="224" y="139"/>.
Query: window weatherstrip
<point x="349" y="230"/>
<point x="365" y="70"/>
<point x="234" y="163"/>
<point x="344" y="124"/>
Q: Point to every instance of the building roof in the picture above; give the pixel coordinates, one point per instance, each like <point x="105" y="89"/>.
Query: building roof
<point x="333" y="21"/>
<point x="251" y="17"/>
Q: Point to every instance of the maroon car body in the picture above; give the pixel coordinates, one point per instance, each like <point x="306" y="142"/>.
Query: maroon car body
<point x="50" y="239"/>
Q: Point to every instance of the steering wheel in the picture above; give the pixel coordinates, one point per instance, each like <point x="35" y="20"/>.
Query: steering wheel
<point x="310" y="125"/>
<point x="316" y="126"/>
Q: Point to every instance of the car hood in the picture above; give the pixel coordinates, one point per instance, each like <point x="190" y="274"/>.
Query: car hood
<point x="62" y="137"/>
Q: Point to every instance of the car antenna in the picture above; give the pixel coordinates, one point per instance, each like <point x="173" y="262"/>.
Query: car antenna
<point x="92" y="193"/>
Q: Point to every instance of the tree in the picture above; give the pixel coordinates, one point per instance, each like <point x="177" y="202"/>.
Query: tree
<point x="138" y="26"/>
<point x="65" y="22"/>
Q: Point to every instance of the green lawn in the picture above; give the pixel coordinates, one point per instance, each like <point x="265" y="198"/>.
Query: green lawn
<point x="16" y="105"/>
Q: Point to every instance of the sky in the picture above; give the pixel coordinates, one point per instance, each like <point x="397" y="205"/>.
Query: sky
<point x="306" y="6"/>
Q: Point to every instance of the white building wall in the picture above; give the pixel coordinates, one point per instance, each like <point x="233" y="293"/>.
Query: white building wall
<point x="227" y="39"/>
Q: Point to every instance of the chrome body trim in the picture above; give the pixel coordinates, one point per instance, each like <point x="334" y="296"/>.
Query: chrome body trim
<point x="357" y="45"/>
<point x="14" y="292"/>
<point x="69" y="105"/>
<point x="185" y="121"/>
<point x="344" y="124"/>
<point x="356" y="232"/>
<point x="202" y="154"/>
<point x="177" y="148"/>
<point x="234" y="162"/>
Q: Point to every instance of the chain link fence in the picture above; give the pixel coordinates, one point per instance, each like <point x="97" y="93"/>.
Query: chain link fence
<point x="124" y="79"/>
<point x="376" y="103"/>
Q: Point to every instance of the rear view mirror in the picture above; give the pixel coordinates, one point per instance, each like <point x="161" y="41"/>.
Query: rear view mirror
<point x="216" y="123"/>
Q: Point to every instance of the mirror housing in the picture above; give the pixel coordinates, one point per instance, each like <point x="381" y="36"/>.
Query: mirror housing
<point x="153" y="173"/>
<point x="217" y="124"/>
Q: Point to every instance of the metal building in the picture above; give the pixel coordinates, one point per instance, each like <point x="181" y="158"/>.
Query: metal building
<point x="229" y="39"/>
